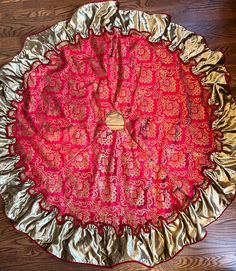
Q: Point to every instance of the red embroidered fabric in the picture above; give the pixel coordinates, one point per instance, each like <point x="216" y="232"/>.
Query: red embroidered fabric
<point x="131" y="176"/>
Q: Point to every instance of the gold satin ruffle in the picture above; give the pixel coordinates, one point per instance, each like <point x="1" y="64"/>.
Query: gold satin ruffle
<point x="85" y="245"/>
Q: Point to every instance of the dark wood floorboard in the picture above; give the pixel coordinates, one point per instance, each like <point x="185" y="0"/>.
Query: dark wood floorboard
<point x="216" y="21"/>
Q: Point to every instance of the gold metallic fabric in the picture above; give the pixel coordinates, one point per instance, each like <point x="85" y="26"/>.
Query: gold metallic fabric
<point x="86" y="245"/>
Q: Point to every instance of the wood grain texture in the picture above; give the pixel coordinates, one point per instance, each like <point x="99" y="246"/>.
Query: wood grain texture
<point x="213" y="19"/>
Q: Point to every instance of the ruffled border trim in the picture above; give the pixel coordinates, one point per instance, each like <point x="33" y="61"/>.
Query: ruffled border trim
<point x="86" y="245"/>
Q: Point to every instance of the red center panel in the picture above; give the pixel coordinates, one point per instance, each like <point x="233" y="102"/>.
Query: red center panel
<point x="131" y="176"/>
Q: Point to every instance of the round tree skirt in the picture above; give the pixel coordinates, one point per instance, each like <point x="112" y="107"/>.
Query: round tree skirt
<point x="117" y="137"/>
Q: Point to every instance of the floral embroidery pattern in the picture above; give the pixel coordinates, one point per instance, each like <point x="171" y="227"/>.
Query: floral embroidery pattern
<point x="132" y="176"/>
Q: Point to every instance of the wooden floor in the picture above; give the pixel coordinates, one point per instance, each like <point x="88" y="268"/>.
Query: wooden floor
<point x="216" y="21"/>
